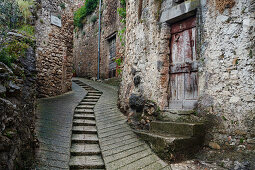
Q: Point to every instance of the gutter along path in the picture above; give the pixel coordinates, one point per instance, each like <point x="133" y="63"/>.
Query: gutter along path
<point x="100" y="139"/>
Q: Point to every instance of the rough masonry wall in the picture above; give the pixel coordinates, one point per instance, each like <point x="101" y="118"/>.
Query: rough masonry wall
<point x="55" y="48"/>
<point x="86" y="41"/>
<point x="17" y="111"/>
<point x="225" y="46"/>
<point x="227" y="80"/>
<point x="147" y="54"/>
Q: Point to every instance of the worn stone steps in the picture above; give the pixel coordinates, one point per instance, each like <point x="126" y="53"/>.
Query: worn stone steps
<point x="83" y="111"/>
<point x="94" y="94"/>
<point x="88" y="103"/>
<point x="89" y="100"/>
<point x="89" y="162"/>
<point x="81" y="106"/>
<point x="84" y="122"/>
<point x="84" y="130"/>
<point x="84" y="116"/>
<point x="177" y="145"/>
<point x="92" y="97"/>
<point x="85" y="149"/>
<point x="178" y="128"/>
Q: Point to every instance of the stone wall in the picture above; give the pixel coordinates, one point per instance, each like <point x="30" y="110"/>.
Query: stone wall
<point x="225" y="47"/>
<point x="17" y="111"/>
<point x="55" y="48"/>
<point x="86" y="41"/>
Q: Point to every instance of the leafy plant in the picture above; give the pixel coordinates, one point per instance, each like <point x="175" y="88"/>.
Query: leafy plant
<point x="93" y="19"/>
<point x="62" y="6"/>
<point x="24" y="6"/>
<point x="12" y="51"/>
<point x="27" y="30"/>
<point x="87" y="9"/>
<point x="10" y="15"/>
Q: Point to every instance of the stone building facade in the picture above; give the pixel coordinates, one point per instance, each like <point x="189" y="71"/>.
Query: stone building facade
<point x="54" y="52"/>
<point x="216" y="76"/>
<point x="86" y="42"/>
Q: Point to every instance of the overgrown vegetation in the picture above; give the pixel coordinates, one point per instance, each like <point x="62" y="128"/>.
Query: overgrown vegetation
<point x="12" y="51"/>
<point x="87" y="9"/>
<point x="15" y="16"/>
<point x="121" y="33"/>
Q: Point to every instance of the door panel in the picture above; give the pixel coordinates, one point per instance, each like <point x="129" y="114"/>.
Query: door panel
<point x="183" y="68"/>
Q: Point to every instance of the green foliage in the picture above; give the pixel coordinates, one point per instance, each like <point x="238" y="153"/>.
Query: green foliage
<point x="87" y="9"/>
<point x="27" y="30"/>
<point x="12" y="51"/>
<point x="63" y="6"/>
<point x="10" y="15"/>
<point x="93" y="19"/>
<point x="24" y="6"/>
<point x="123" y="3"/>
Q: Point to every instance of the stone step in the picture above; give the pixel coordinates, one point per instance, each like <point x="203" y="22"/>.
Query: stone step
<point x="85" y="138"/>
<point x="178" y="128"/>
<point x="89" y="111"/>
<point x="88" y="103"/>
<point x="88" y="162"/>
<point x="85" y="116"/>
<point x="164" y="144"/>
<point x="94" y="91"/>
<point x="84" y="122"/>
<point x="92" y="97"/>
<point x="85" y="106"/>
<point x="94" y="94"/>
<point x="89" y="100"/>
<point x="85" y="149"/>
<point x="84" y="130"/>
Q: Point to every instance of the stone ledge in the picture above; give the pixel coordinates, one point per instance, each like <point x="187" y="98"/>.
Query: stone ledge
<point x="180" y="12"/>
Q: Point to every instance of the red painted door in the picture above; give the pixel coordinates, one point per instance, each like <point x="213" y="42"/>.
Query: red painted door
<point x="183" y="66"/>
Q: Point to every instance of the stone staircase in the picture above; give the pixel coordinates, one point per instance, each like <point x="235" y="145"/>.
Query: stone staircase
<point x="173" y="140"/>
<point x="85" y="149"/>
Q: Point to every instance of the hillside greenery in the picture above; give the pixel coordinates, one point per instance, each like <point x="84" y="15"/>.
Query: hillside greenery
<point x="87" y="9"/>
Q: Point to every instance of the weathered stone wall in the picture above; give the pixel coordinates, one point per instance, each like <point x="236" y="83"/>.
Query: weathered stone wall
<point x="55" y="48"/>
<point x="86" y="41"/>
<point x="17" y="112"/>
<point x="227" y="79"/>
<point x="225" y="46"/>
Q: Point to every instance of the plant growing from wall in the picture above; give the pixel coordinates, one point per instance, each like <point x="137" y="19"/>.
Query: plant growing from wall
<point x="87" y="9"/>
<point x="121" y="33"/>
<point x="93" y="19"/>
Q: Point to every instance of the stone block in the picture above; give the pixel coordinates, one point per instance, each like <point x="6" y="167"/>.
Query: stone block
<point x="180" y="12"/>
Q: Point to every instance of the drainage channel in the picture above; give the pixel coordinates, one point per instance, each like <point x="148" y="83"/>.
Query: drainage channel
<point x="85" y="149"/>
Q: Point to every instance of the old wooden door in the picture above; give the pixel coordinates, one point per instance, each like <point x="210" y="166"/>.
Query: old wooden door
<point x="183" y="66"/>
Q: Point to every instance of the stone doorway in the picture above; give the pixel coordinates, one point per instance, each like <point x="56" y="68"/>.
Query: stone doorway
<point x="183" y="69"/>
<point x="112" y="56"/>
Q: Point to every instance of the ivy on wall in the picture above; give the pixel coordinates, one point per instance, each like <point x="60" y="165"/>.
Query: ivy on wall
<point x="87" y="9"/>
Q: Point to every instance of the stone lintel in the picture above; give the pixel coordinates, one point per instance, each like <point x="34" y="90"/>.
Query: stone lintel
<point x="180" y="12"/>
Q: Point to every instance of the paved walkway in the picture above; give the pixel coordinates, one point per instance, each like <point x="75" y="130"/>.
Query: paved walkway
<point x="120" y="147"/>
<point x="54" y="126"/>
